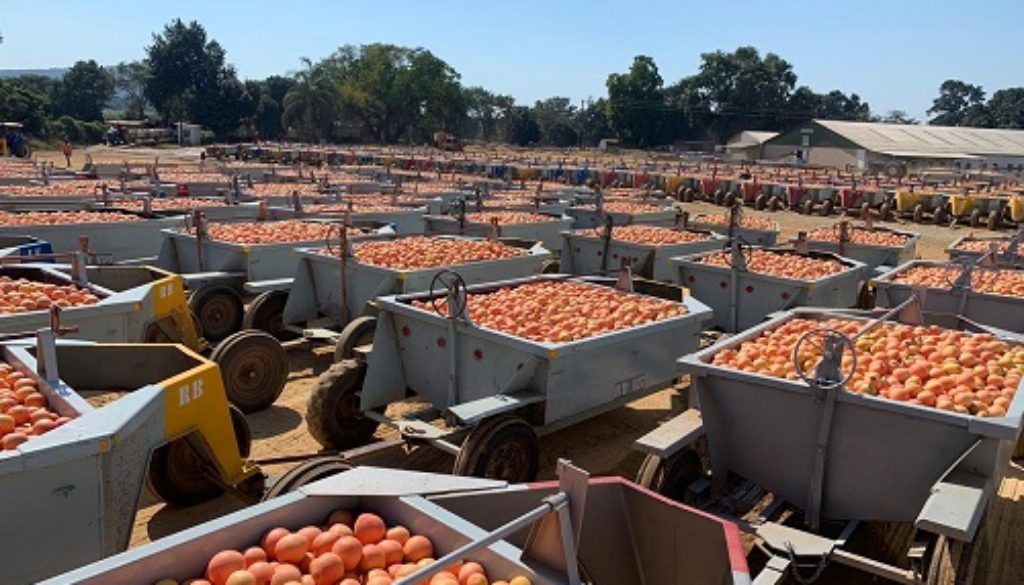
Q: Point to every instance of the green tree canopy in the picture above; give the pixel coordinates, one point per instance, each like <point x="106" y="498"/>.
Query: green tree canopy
<point x="637" y="110"/>
<point x="484" y="111"/>
<point x="84" y="91"/>
<point x="130" y="78"/>
<point x="1006" y="108"/>
<point x="958" y="104"/>
<point x="189" y="79"/>
<point x="521" y="128"/>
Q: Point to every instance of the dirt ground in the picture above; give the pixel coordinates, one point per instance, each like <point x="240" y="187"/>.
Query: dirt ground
<point x="601" y="445"/>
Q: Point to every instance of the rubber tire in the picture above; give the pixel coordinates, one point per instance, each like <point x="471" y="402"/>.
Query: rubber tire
<point x="235" y="357"/>
<point x="885" y="211"/>
<point x="760" y="202"/>
<point x="774" y="204"/>
<point x="688" y="195"/>
<point x="671" y="477"/>
<point x="826" y="208"/>
<point x="940" y="217"/>
<point x="718" y="197"/>
<point x="486" y="445"/>
<point x="305" y="473"/>
<point x="184" y="486"/>
<point x="865" y="211"/>
<point x="333" y="417"/>
<point x="265" y="314"/>
<point x="953" y="562"/>
<point x="353" y="335"/>
<point x="217" y="321"/>
<point x="808" y="207"/>
<point x="993" y="220"/>
<point x="550" y="267"/>
<point x="729" y="200"/>
<point x="918" y="214"/>
<point x="975" y="218"/>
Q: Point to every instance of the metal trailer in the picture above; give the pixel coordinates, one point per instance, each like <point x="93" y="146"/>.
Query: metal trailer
<point x="741" y="299"/>
<point x="754" y="237"/>
<point x="1002" y="311"/>
<point x="23" y="246"/>
<point x="497" y="390"/>
<point x="553" y="533"/>
<point x="548" y="233"/>
<point x="598" y="253"/>
<point x="872" y="256"/>
<point x="173" y="431"/>
<point x="806" y="198"/>
<point x="404" y="221"/>
<point x="843" y="459"/>
<point x="595" y="216"/>
<point x="860" y="200"/>
<point x="105" y="242"/>
<point x="219" y="209"/>
<point x="978" y="209"/>
<point x="1008" y="249"/>
<point x="917" y="205"/>
<point x="341" y="289"/>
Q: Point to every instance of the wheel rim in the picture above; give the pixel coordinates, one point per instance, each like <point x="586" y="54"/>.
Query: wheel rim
<point x="509" y="462"/>
<point x="218" y="315"/>
<point x="269" y="317"/>
<point x="184" y="468"/>
<point x="251" y="371"/>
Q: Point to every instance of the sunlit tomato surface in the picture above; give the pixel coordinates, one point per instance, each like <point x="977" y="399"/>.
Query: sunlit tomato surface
<point x="24" y="410"/>
<point x="562" y="311"/>
<point x="747" y="221"/>
<point x="273" y="232"/>
<point x="783" y="264"/>
<point x="927" y="365"/>
<point x="20" y="295"/>
<point x="426" y="252"/>
<point x="508" y="217"/>
<point x="859" y="236"/>
<point x="650" y="235"/>
<point x="64" y="217"/>
<point x="984" y="245"/>
<point x="985" y="280"/>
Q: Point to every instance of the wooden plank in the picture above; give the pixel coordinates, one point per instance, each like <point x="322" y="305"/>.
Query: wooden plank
<point x="673" y="435"/>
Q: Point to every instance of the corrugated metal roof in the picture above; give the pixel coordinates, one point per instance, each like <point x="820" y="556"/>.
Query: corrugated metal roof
<point x="929" y="140"/>
<point x="749" y="138"/>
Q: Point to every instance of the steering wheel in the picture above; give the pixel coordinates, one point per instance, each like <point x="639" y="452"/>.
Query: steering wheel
<point x="828" y="374"/>
<point x="455" y="296"/>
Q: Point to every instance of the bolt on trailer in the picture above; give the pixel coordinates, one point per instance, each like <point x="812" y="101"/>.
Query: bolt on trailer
<point x="554" y="533"/>
<point x="864" y="243"/>
<point x="496" y="389"/>
<point x="969" y="288"/>
<point x="170" y="429"/>
<point x="600" y="251"/>
<point x="847" y="457"/>
<point x="213" y="208"/>
<point x="921" y="204"/>
<point x="338" y="287"/>
<point x="735" y="224"/>
<point x="1007" y="251"/>
<point x="403" y="220"/>
<point x="106" y="237"/>
<point x="742" y="297"/>
<point x="622" y="213"/>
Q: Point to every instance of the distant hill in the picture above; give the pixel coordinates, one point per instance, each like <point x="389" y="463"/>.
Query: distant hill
<point x="53" y="72"/>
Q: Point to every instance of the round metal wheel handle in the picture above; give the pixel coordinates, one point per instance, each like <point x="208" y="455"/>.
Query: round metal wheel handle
<point x="452" y="283"/>
<point x="828" y="337"/>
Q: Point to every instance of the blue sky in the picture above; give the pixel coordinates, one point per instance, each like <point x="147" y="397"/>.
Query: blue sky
<point x="892" y="53"/>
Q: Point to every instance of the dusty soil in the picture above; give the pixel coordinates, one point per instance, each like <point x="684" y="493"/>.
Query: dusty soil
<point x="601" y="445"/>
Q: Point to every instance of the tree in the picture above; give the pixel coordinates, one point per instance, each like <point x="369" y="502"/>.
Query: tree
<point x="592" y="121"/>
<point x="130" y="79"/>
<point x="1006" y="108"/>
<point x="484" y="111"/>
<point x="310" y="104"/>
<point x="19" y="104"/>
<point x="958" y="102"/>
<point x="190" y="81"/>
<point x="520" y="127"/>
<point x="268" y="110"/>
<point x="636" y="104"/>
<point x="897" y="117"/>
<point x="395" y="92"/>
<point x="84" y="91"/>
<point x="555" y="116"/>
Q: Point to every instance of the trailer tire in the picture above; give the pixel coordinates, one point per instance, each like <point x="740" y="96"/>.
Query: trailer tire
<point x="826" y="208"/>
<point x="305" y="473"/>
<point x="953" y="562"/>
<point x="808" y="207"/>
<point x="265" y="314"/>
<point x="975" y="218"/>
<point x="333" y="417"/>
<point x="918" y="214"/>
<point x="359" y="331"/>
<point x="940" y="216"/>
<point x="774" y="204"/>
<point x="718" y="197"/>
<point x="729" y="199"/>
<point x="176" y="472"/>
<point x="885" y="211"/>
<point x="760" y="202"/>
<point x="670" y="477"/>
<point x="254" y="367"/>
<point x="551" y="266"/>
<point x="865" y="210"/>
<point x="993" y="220"/>
<point x="503" y="447"/>
<point x="219" y="310"/>
<point x="688" y="195"/>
